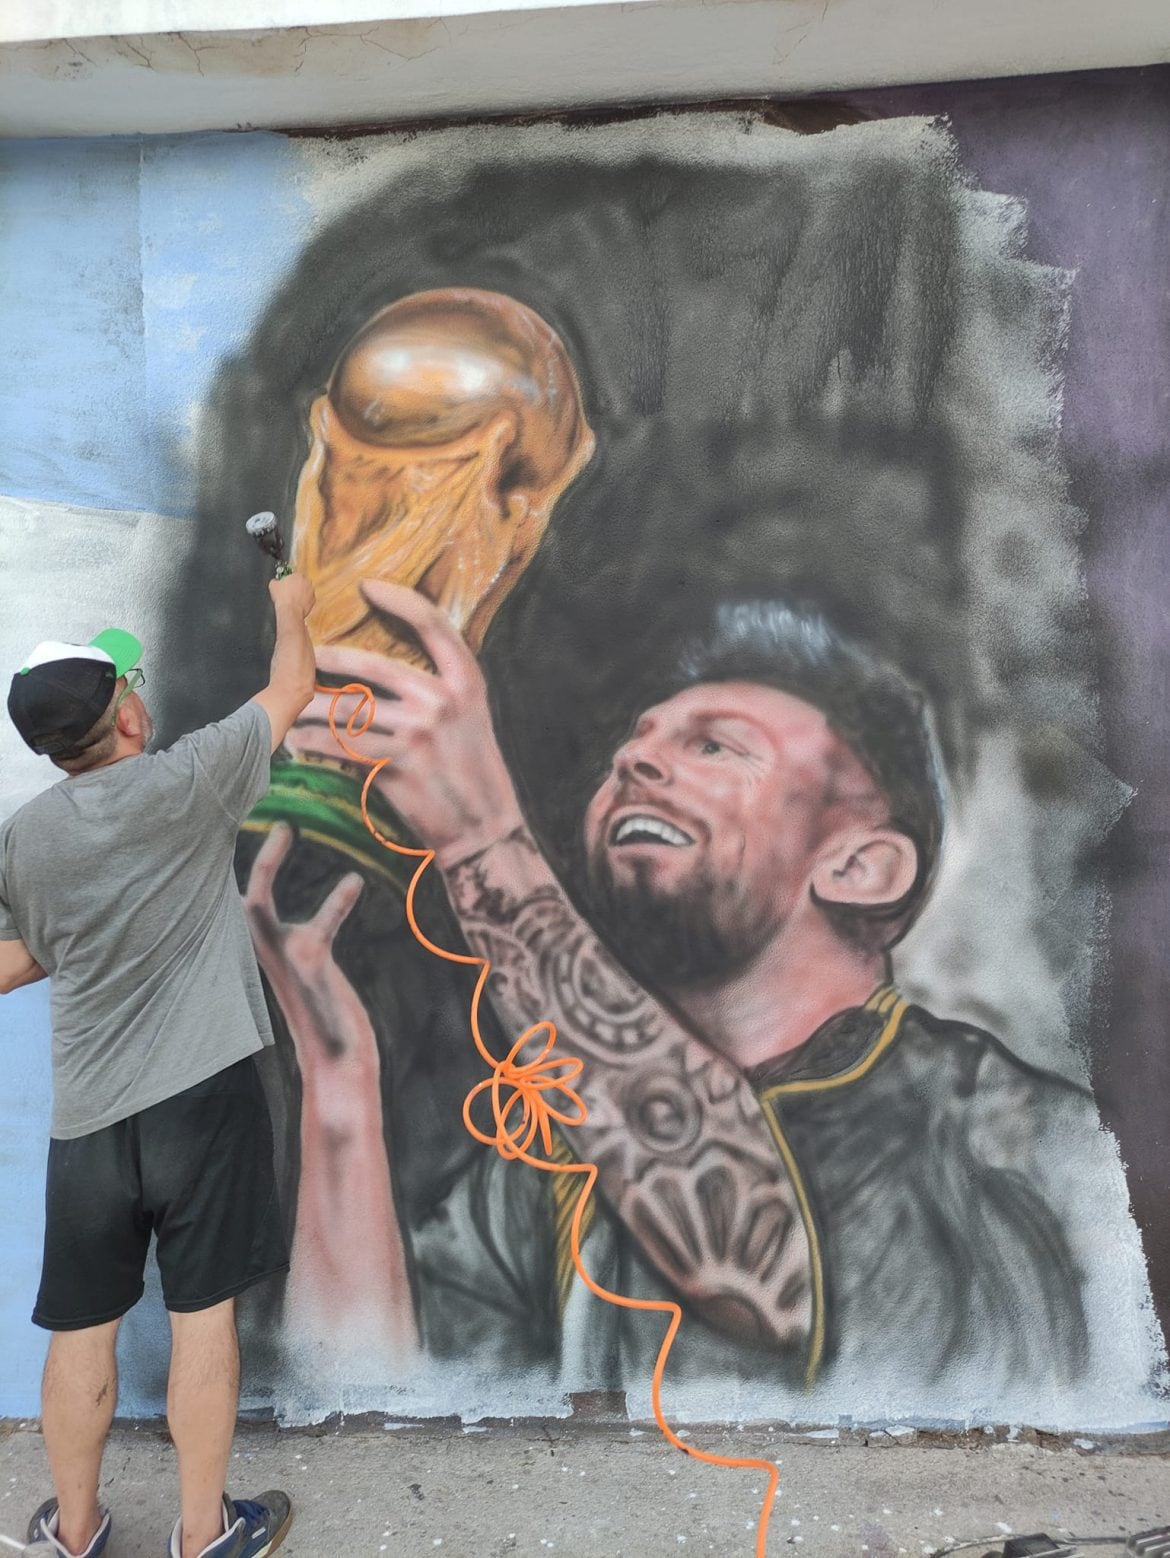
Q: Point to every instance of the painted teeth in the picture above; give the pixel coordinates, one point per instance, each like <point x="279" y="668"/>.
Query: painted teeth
<point x="652" y="827"/>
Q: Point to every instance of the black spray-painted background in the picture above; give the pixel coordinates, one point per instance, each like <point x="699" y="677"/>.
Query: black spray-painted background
<point x="797" y="380"/>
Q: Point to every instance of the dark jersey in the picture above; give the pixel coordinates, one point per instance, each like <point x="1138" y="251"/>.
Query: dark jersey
<point x="935" y="1220"/>
<point x="936" y="1176"/>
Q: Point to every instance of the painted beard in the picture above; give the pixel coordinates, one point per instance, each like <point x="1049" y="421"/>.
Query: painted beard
<point x="680" y="940"/>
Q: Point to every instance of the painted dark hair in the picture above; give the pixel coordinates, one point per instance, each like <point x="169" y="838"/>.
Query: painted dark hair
<point x="871" y="706"/>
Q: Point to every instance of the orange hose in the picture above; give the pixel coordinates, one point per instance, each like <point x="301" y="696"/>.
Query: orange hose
<point x="520" y="1106"/>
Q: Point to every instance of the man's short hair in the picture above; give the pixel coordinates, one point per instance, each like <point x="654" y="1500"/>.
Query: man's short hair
<point x="878" y="714"/>
<point x="95" y="746"/>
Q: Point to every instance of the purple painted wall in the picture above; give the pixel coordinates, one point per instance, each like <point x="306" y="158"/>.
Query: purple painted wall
<point x="1088" y="156"/>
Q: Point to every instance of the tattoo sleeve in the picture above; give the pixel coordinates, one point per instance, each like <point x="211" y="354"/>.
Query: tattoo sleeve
<point x="684" y="1154"/>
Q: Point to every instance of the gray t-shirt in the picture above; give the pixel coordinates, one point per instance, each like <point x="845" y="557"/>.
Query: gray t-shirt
<point x="120" y="883"/>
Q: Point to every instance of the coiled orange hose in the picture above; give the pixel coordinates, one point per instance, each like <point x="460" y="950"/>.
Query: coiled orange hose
<point x="520" y="1099"/>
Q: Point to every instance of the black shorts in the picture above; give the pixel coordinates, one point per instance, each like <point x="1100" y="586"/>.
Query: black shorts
<point x="196" y="1170"/>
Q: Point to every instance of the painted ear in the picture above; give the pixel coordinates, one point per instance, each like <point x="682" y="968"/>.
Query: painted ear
<point x="874" y="867"/>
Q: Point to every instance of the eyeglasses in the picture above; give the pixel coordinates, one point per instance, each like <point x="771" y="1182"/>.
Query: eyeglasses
<point x="135" y="678"/>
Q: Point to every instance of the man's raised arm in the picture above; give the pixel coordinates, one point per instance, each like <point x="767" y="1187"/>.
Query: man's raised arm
<point x="684" y="1154"/>
<point x="293" y="672"/>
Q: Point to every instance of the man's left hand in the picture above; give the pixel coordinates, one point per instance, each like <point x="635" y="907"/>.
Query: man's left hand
<point x="446" y="777"/>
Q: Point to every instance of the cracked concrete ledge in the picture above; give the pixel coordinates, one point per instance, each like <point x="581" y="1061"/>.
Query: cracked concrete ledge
<point x="37" y="21"/>
<point x="244" y="53"/>
<point x="572" y="55"/>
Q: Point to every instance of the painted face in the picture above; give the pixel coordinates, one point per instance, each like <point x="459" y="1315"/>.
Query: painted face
<point x="702" y="837"/>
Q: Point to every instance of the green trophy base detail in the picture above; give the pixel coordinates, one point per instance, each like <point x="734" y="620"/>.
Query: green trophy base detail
<point x="324" y="803"/>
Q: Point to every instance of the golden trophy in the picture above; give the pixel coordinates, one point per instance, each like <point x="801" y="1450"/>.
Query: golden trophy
<point x="450" y="425"/>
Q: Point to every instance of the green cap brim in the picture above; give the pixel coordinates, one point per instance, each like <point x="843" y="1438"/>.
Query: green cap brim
<point x="122" y="647"/>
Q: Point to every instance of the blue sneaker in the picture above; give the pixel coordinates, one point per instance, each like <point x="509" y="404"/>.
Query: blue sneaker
<point x="252" y="1528"/>
<point x="43" y="1538"/>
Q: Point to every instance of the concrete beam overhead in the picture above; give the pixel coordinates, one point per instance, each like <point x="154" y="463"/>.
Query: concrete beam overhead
<point x="442" y="58"/>
<point x="36" y="21"/>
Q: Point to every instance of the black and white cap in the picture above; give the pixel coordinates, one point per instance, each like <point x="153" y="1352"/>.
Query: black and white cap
<point x="62" y="690"/>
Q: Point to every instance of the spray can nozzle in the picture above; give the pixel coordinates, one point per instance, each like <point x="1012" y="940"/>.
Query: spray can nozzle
<point x="265" y="531"/>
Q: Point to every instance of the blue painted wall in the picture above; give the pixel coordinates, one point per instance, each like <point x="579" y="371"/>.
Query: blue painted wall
<point x="128" y="271"/>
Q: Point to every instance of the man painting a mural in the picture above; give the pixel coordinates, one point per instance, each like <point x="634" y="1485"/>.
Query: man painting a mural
<point x="751" y="523"/>
<point x="116" y="883"/>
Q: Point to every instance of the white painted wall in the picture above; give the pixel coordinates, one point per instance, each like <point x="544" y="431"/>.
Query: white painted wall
<point x="450" y="57"/>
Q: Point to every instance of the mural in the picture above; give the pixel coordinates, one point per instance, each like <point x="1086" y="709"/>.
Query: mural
<point x="692" y="493"/>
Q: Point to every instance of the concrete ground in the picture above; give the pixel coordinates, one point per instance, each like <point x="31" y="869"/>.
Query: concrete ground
<point x="619" y="1492"/>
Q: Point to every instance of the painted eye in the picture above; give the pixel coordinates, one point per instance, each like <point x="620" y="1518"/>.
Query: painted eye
<point x="710" y="748"/>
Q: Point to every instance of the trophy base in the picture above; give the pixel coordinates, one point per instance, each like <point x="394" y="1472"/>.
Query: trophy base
<point x="324" y="803"/>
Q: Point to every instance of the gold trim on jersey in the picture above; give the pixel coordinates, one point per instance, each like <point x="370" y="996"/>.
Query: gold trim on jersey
<point x="566" y="1188"/>
<point x="885" y="1002"/>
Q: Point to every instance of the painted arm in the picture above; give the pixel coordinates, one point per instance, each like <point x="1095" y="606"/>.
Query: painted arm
<point x="348" y="1280"/>
<point x="684" y="1154"/>
<point x="18" y="967"/>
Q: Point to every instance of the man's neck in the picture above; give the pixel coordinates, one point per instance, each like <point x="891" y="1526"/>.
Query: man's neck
<point x="121" y="753"/>
<point x="800" y="980"/>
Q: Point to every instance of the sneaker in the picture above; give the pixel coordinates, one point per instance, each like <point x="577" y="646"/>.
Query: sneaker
<point x="252" y="1528"/>
<point x="43" y="1538"/>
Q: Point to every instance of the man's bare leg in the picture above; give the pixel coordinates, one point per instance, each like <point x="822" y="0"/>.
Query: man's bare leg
<point x="203" y="1394"/>
<point x="78" y="1396"/>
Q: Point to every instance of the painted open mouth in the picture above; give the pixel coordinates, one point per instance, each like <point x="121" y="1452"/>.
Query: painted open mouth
<point x="643" y="829"/>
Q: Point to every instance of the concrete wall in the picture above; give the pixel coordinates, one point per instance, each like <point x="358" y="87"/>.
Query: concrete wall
<point x="140" y="66"/>
<point x="47" y="19"/>
<point x="906" y="375"/>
